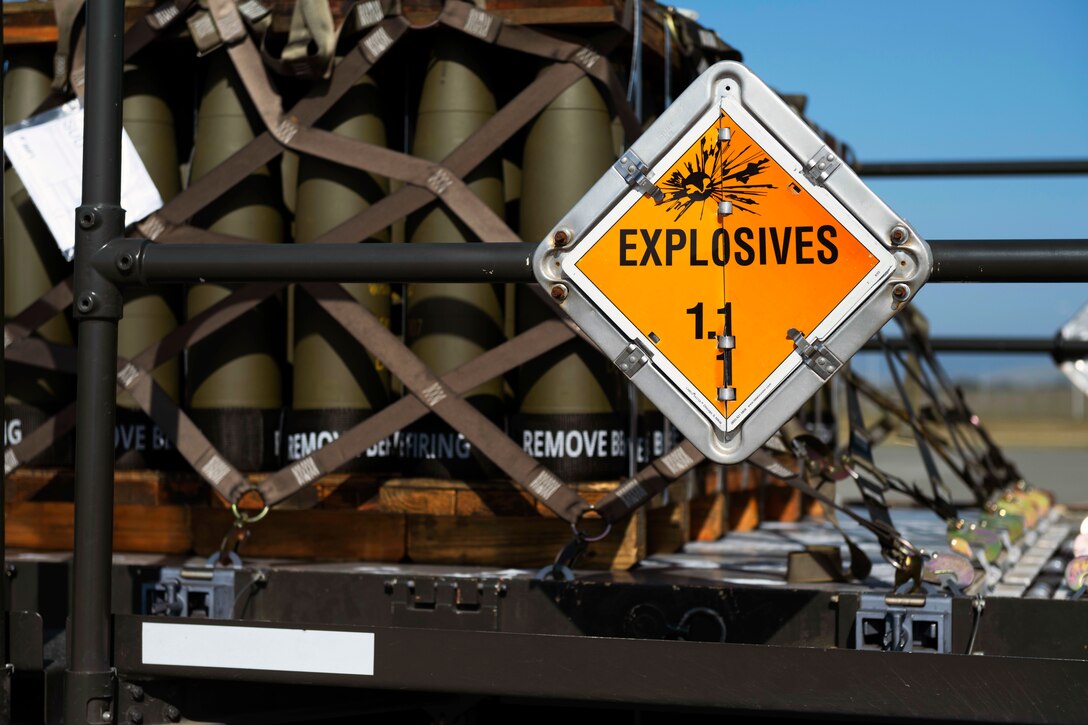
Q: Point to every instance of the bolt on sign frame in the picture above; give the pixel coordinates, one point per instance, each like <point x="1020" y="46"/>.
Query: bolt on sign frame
<point x="105" y="262"/>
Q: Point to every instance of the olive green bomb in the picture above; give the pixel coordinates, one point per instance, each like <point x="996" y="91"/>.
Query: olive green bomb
<point x="32" y="266"/>
<point x="448" y="325"/>
<point x="149" y="313"/>
<point x="336" y="383"/>
<point x="234" y="380"/>
<point x="570" y="394"/>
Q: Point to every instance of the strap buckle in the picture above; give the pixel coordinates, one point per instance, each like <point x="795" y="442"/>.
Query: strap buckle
<point x="239" y="531"/>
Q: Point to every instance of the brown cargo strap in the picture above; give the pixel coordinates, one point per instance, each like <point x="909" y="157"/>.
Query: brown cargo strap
<point x="38" y="312"/>
<point x="282" y="127"/>
<point x="139" y="383"/>
<point x="440" y="399"/>
<point x="462" y="160"/>
<point x="427" y="180"/>
<point x="490" y="28"/>
<point x="357" y="154"/>
<point x="129" y="373"/>
<point x="178" y="427"/>
<point x="398" y="415"/>
<point x="265" y="147"/>
<point x="311" y="27"/>
<point x="649" y="482"/>
<point x="468" y="207"/>
<point x="67" y="12"/>
<point x="40" y="353"/>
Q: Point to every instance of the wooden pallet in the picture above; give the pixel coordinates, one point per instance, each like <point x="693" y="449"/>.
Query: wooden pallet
<point x="354" y="517"/>
<point x="740" y="498"/>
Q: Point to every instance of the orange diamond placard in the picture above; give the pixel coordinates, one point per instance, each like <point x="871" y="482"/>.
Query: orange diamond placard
<point x="740" y="247"/>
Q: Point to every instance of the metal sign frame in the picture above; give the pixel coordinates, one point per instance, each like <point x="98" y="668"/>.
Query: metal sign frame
<point x="904" y="259"/>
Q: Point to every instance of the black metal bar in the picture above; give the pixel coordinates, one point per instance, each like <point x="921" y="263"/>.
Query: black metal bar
<point x="140" y="262"/>
<point x="156" y="263"/>
<point x="5" y="596"/>
<point x="973" y="168"/>
<point x="88" y="682"/>
<point x="1056" y="347"/>
<point x="799" y="680"/>
<point x="1009" y="260"/>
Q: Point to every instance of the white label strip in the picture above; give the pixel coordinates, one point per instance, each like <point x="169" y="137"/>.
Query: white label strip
<point x="47" y="153"/>
<point x="258" y="648"/>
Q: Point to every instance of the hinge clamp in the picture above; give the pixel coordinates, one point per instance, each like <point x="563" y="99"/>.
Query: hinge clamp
<point x="820" y="167"/>
<point x="815" y="354"/>
<point x="634" y="174"/>
<point x="632" y="359"/>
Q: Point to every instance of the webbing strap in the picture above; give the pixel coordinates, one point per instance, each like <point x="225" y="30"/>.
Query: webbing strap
<point x="311" y="26"/>
<point x="649" y="482"/>
<point x="35" y="442"/>
<point x="182" y="337"/>
<point x="38" y="312"/>
<point x="166" y="224"/>
<point x="67" y="12"/>
<point x="205" y="323"/>
<point x="477" y="429"/>
<point x="154" y="23"/>
<point x="265" y="147"/>
<point x="484" y="141"/>
<point x="434" y="178"/>
<point x="453" y="409"/>
<point x="820" y="464"/>
<point x="490" y="28"/>
<point x="154" y="401"/>
<point x="401" y="413"/>
<point x="43" y="354"/>
<point x="189" y="440"/>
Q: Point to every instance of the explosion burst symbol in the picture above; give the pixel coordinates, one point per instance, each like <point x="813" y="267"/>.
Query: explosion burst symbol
<point x="717" y="174"/>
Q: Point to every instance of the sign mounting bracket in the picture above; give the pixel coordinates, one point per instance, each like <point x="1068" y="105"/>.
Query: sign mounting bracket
<point x="635" y="174"/>
<point x="632" y="359"/>
<point x="816" y="355"/>
<point x="819" y="168"/>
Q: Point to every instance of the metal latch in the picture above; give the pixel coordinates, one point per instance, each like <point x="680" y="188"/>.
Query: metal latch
<point x="820" y="167"/>
<point x="467" y="603"/>
<point x="634" y="173"/>
<point x="632" y="359"/>
<point x="206" y="592"/>
<point x="817" y="356"/>
<point x="910" y="623"/>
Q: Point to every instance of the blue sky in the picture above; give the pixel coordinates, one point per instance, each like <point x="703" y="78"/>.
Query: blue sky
<point x="927" y="80"/>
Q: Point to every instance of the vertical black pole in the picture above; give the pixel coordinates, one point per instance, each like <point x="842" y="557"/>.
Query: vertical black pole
<point x="5" y="676"/>
<point x="88" y="684"/>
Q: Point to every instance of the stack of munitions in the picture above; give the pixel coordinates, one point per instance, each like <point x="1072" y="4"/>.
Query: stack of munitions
<point x="336" y="383"/>
<point x="235" y="378"/>
<point x="149" y="314"/>
<point x="278" y="383"/>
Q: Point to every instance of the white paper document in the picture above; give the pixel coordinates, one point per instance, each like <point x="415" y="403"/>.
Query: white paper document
<point x="47" y="153"/>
